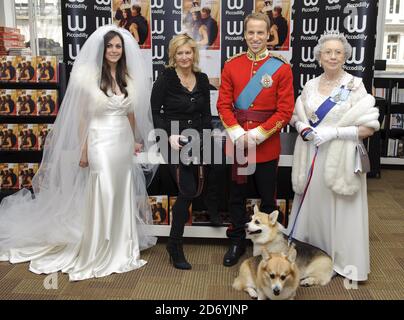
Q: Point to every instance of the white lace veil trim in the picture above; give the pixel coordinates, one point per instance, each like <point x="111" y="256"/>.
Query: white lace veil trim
<point x="54" y="214"/>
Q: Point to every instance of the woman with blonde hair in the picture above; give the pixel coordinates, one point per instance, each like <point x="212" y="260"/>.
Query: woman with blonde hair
<point x="181" y="95"/>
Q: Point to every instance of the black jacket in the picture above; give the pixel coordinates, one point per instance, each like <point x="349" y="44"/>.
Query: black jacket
<point x="172" y="101"/>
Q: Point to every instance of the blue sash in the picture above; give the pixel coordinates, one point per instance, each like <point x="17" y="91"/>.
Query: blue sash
<point x="254" y="86"/>
<point x="341" y="95"/>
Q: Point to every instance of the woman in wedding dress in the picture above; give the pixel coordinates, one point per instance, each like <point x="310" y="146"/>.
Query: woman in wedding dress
<point x="87" y="214"/>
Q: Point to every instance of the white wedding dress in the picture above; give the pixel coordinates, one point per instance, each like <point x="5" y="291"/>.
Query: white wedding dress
<point x="110" y="238"/>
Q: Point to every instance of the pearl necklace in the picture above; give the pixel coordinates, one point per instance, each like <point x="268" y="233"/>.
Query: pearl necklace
<point x="334" y="82"/>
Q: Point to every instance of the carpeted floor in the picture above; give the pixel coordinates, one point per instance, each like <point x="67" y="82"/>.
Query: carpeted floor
<point x="208" y="279"/>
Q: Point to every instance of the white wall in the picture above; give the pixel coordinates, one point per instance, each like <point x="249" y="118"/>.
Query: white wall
<point x="7" y="16"/>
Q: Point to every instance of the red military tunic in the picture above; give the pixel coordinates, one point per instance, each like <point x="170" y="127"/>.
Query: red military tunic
<point x="278" y="98"/>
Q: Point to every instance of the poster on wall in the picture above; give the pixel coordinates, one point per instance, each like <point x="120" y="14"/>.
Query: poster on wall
<point x="355" y="19"/>
<point x="217" y="26"/>
<point x="201" y="20"/>
<point x="79" y="20"/>
<point x="279" y="14"/>
<point x="135" y="16"/>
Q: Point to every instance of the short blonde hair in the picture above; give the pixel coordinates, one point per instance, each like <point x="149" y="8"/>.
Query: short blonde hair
<point x="181" y="40"/>
<point x="257" y="16"/>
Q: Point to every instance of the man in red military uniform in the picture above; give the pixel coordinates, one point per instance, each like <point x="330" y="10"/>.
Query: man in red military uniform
<point x="255" y="102"/>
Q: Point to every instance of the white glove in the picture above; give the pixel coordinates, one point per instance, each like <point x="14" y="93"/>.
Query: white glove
<point x="173" y="139"/>
<point x="324" y="134"/>
<point x="299" y="125"/>
<point x="347" y="133"/>
<point x="308" y="134"/>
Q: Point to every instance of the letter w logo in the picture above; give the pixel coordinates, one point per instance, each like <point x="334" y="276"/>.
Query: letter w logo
<point x="334" y="26"/>
<point x="309" y="3"/>
<point x="155" y="29"/>
<point x="353" y="58"/>
<point x="234" y="31"/>
<point x="157" y="4"/>
<point x="351" y="24"/>
<point x="156" y="55"/>
<point x="234" y="4"/>
<point x="77" y="28"/>
<point x="310" y="29"/>
<point x="310" y="55"/>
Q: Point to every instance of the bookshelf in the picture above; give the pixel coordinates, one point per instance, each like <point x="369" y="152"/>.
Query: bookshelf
<point x="391" y="85"/>
<point x="29" y="156"/>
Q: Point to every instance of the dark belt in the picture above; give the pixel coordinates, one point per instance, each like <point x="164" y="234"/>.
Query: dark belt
<point x="243" y="116"/>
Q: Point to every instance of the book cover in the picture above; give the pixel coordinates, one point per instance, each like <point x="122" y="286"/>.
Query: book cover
<point x="43" y="130"/>
<point x="159" y="207"/>
<point x="9" y="176"/>
<point x="25" y="68"/>
<point x="8" y="102"/>
<point x="400" y="148"/>
<point x="7" y="70"/>
<point x="8" y="137"/>
<point x="46" y="69"/>
<point x="26" y="172"/>
<point x="47" y="102"/>
<point x="28" y="137"/>
<point x="397" y="121"/>
<point x="26" y="102"/>
<point x="172" y="200"/>
<point x="200" y="217"/>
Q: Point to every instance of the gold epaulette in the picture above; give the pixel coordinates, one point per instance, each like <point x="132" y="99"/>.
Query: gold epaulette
<point x="279" y="56"/>
<point x="235" y="56"/>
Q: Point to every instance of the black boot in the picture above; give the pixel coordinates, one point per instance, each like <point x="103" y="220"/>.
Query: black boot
<point x="236" y="250"/>
<point x="177" y="257"/>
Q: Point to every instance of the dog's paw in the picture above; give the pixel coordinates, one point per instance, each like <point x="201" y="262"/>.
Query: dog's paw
<point x="308" y="282"/>
<point x="253" y="294"/>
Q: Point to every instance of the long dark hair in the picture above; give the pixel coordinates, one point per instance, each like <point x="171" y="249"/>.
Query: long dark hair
<point x="121" y="68"/>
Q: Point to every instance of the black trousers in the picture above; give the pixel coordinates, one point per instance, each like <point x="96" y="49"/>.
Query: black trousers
<point x="264" y="179"/>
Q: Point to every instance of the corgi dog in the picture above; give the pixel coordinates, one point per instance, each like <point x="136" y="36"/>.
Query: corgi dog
<point x="315" y="265"/>
<point x="271" y="275"/>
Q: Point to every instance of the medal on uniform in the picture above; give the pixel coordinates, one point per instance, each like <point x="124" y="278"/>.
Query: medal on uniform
<point x="314" y="118"/>
<point x="266" y="81"/>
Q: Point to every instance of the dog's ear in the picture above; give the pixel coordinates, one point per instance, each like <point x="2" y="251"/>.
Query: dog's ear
<point x="292" y="254"/>
<point x="256" y="209"/>
<point x="273" y="217"/>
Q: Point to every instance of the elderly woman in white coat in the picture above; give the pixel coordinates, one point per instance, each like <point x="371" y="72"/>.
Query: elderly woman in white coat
<point x="332" y="115"/>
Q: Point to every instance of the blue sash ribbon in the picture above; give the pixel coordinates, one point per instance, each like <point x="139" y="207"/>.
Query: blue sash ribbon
<point x="254" y="86"/>
<point x="340" y="95"/>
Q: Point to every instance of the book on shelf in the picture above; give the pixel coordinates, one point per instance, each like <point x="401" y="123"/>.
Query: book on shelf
<point x="8" y="102"/>
<point x="25" y="68"/>
<point x="43" y="131"/>
<point x="7" y="70"/>
<point x="8" y="137"/>
<point x="397" y="121"/>
<point x="26" y="102"/>
<point x="26" y="172"/>
<point x="395" y="148"/>
<point x="159" y="208"/>
<point x="46" y="69"/>
<point x="28" y="137"/>
<point x="9" y="176"/>
<point x="47" y="102"/>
